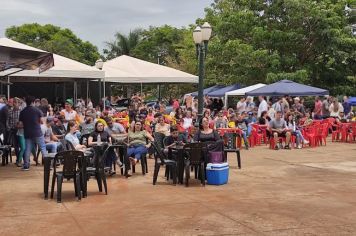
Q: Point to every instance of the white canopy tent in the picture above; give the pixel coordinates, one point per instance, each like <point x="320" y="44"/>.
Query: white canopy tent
<point x="130" y="70"/>
<point x="242" y="91"/>
<point x="64" y="69"/>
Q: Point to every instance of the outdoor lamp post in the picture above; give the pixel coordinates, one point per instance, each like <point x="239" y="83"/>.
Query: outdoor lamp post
<point x="201" y="36"/>
<point x="99" y="65"/>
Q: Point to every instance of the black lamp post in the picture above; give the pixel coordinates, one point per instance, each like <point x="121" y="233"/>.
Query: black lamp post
<point x="201" y="36"/>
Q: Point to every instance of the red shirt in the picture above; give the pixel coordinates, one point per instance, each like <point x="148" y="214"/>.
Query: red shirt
<point x="317" y="107"/>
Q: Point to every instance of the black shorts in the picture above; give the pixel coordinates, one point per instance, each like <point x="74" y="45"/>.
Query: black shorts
<point x="282" y="134"/>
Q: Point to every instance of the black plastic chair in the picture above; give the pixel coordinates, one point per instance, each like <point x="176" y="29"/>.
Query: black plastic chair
<point x="6" y="150"/>
<point x="98" y="171"/>
<point x="195" y="154"/>
<point x="159" y="138"/>
<point x="161" y="160"/>
<point x="70" y="160"/>
<point x="231" y="146"/>
<point x="84" y="137"/>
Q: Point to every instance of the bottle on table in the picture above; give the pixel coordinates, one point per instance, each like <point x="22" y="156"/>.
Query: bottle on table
<point x="98" y="140"/>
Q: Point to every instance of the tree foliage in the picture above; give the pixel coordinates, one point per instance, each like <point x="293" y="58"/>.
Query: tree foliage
<point x="265" y="41"/>
<point x="56" y="40"/>
<point x="122" y="44"/>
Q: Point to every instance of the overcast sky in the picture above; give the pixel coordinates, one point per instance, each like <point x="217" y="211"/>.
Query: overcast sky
<point x="98" y="20"/>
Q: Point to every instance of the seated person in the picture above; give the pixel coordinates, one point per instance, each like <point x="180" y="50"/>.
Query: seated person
<point x="58" y="128"/>
<point x="220" y="120"/>
<point x="162" y="127"/>
<point x="205" y="133"/>
<point x="174" y="138"/>
<point x="51" y="140"/>
<point x="243" y="126"/>
<point x="137" y="142"/>
<point x="87" y="126"/>
<point x="104" y="137"/>
<point x="72" y="137"/>
<point x="114" y="127"/>
<point x="279" y="128"/>
<point x="295" y="131"/>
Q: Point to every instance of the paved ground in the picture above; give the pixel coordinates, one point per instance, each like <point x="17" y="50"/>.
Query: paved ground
<point x="297" y="192"/>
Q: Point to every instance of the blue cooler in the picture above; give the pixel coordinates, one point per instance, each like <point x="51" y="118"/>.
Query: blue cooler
<point x="217" y="173"/>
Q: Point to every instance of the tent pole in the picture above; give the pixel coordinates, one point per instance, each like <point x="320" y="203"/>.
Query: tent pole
<point x="99" y="91"/>
<point x="87" y="90"/>
<point x="104" y="95"/>
<point x="141" y="90"/>
<point x="8" y="88"/>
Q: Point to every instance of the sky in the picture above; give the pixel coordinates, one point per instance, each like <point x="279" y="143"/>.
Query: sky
<point x="97" y="21"/>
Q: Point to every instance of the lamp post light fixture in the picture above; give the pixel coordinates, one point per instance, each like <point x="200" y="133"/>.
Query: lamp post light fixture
<point x="99" y="65"/>
<point x="201" y="36"/>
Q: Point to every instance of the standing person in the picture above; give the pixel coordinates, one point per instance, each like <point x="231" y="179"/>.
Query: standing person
<point x="318" y="109"/>
<point x="3" y="117"/>
<point x="298" y="108"/>
<point x="12" y="121"/>
<point x="188" y="101"/>
<point x="262" y="107"/>
<point x="241" y="106"/>
<point x="325" y="107"/>
<point x="89" y="104"/>
<point x="335" y="108"/>
<point x="44" y="107"/>
<point x="346" y="106"/>
<point x="250" y="105"/>
<point x="68" y="112"/>
<point x="30" y="117"/>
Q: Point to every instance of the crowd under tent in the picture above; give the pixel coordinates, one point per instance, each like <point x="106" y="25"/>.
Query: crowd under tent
<point x="242" y="91"/>
<point x="287" y="87"/>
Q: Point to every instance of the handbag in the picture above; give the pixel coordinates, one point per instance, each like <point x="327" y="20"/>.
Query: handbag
<point x="215" y="157"/>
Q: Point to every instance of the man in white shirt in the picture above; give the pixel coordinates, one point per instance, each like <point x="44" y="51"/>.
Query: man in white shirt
<point x="262" y="107"/>
<point x="241" y="106"/>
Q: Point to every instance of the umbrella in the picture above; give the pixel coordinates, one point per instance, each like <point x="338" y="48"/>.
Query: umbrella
<point x="287" y="87"/>
<point x="11" y="57"/>
<point x="208" y="90"/>
<point x="352" y="101"/>
<point x="221" y="92"/>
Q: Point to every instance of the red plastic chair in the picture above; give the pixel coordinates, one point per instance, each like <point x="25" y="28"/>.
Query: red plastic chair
<point x="336" y="134"/>
<point x="344" y="131"/>
<point x="352" y="134"/>
<point x="322" y="133"/>
<point x="310" y="133"/>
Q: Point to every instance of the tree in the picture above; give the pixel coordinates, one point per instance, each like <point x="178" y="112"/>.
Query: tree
<point x="264" y="41"/>
<point x="122" y="45"/>
<point x="56" y="40"/>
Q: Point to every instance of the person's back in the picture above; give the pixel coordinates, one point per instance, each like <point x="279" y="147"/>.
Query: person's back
<point x="30" y="117"/>
<point x="325" y="108"/>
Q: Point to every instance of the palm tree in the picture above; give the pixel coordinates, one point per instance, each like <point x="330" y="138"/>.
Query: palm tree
<point x="122" y="45"/>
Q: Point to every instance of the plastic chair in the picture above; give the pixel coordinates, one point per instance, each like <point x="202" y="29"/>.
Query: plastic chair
<point x="194" y="156"/>
<point x="70" y="160"/>
<point x="352" y="134"/>
<point x="322" y="133"/>
<point x="336" y="134"/>
<point x="162" y="160"/>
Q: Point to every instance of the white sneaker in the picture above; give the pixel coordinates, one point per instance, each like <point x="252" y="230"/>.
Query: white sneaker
<point x="305" y="141"/>
<point x="299" y="146"/>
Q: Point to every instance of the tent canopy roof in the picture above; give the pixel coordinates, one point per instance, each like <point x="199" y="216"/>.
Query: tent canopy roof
<point x="208" y="90"/>
<point x="221" y="92"/>
<point x="126" y="69"/>
<point x="287" y="87"/>
<point x="243" y="91"/>
<point x="64" y="68"/>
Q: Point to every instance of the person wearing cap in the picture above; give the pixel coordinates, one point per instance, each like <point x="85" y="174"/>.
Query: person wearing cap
<point x="298" y="107"/>
<point x="68" y="112"/>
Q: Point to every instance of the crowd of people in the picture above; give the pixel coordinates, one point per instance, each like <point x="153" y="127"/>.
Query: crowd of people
<point x="29" y="123"/>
